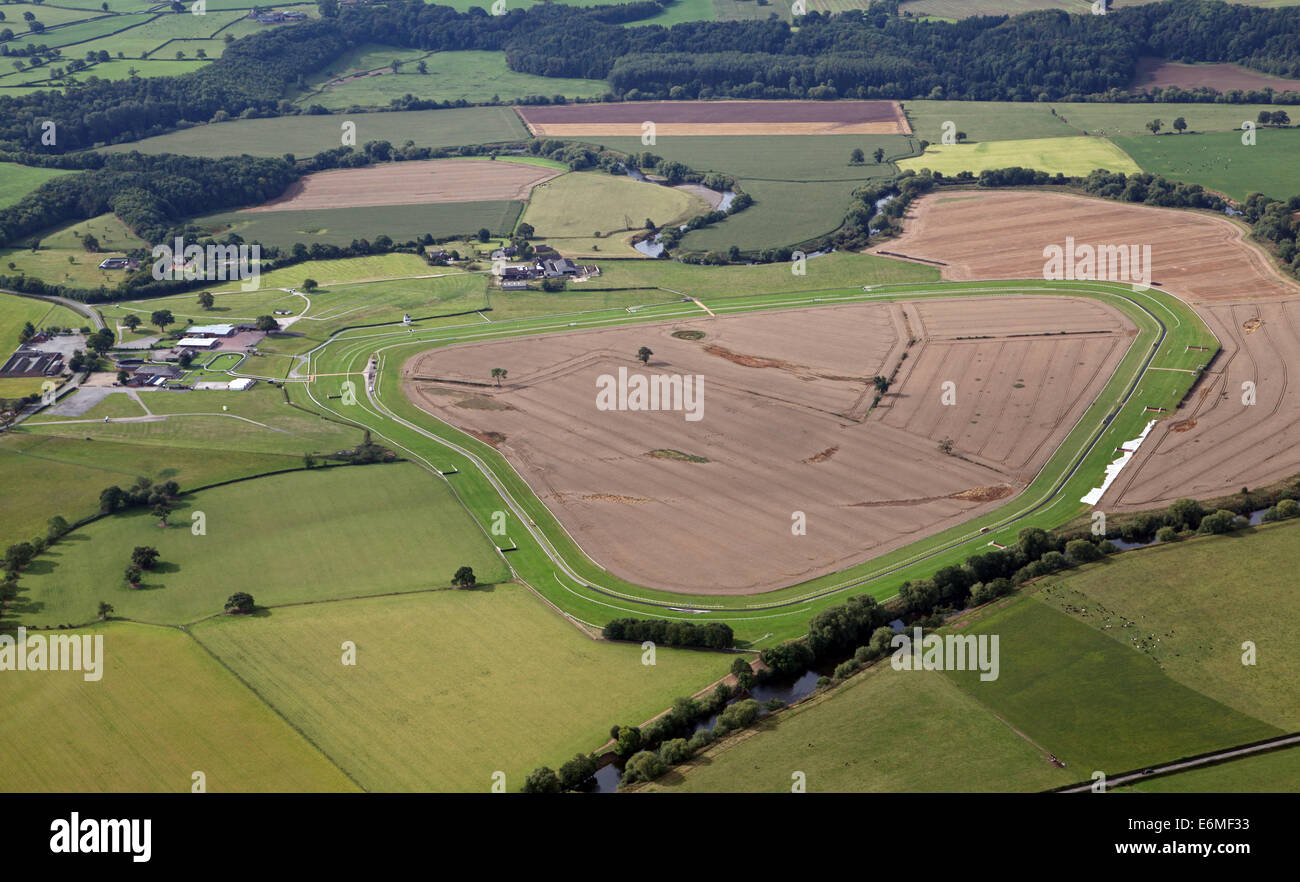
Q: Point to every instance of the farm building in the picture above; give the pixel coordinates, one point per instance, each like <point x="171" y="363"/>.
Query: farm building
<point x="514" y="286"/>
<point x="32" y="363"/>
<point x="209" y="330"/>
<point x="199" y="342"/>
<point x="117" y="263"/>
<point x="241" y="384"/>
<point x="153" y="375"/>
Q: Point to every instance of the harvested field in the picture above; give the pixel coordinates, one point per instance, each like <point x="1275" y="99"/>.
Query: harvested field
<point x="1199" y="257"/>
<point x="1218" y="444"/>
<point x="716" y="118"/>
<point x="787" y="425"/>
<point x="1157" y="73"/>
<point x="412" y="183"/>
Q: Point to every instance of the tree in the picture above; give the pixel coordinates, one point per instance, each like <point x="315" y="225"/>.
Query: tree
<point x="881" y="384"/>
<point x="499" y="374"/>
<point x="123" y="377"/>
<point x="161" y="511"/>
<point x="240" y="603"/>
<point x="1265" y="117"/>
<point x="131" y="321"/>
<point x="484" y="234"/>
<point x="111" y="499"/>
<point x="19" y="555"/>
<point x="1155" y="126"/>
<point x="1222" y="521"/>
<point x="628" y="741"/>
<point x="1180" y="125"/>
<point x="1082" y="551"/>
<point x="945" y="446"/>
<point x="133" y="574"/>
<point x="267" y="323"/>
<point x="308" y="461"/>
<point x="105" y="608"/>
<point x="524" y="231"/>
<point x="577" y="771"/>
<point x="90" y="243"/>
<point x="878" y="155"/>
<point x="206" y="300"/>
<point x="543" y="780"/>
<point x="56" y="527"/>
<point x="857" y="157"/>
<point x="422" y="67"/>
<point x="1185" y="514"/>
<point x="28" y="332"/>
<point x="644" y="354"/>
<point x="144" y="557"/>
<point x="464" y="578"/>
<point x="1280" y="118"/>
<point x="101" y="341"/>
<point x="310" y="285"/>
<point x="161" y="318"/>
<point x="645" y="766"/>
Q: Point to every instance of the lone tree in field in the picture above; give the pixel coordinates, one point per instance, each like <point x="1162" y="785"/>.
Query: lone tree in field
<point x="464" y="578"/>
<point x="946" y="446"/>
<point x="131" y="322"/>
<point x="105" y="610"/>
<point x="206" y="299"/>
<point x="1180" y="125"/>
<point x="878" y="155"/>
<point x="161" y="511"/>
<point x="1155" y="126"/>
<point x="499" y="374"/>
<point x="310" y="285"/>
<point x="857" y="157"/>
<point x="144" y="557"/>
<point x="239" y="603"/>
<point x="881" y="383"/>
<point x="133" y="575"/>
<point x="644" y="354"/>
<point x="161" y="318"/>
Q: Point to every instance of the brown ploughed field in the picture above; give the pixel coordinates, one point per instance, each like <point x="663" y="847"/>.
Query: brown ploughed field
<point x="1152" y="73"/>
<point x="1001" y="235"/>
<point x="412" y="183"/>
<point x="787" y="426"/>
<point x="717" y="118"/>
<point x="1216" y="444"/>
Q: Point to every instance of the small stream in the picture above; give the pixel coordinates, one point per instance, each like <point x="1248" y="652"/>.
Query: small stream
<point x="1255" y="518"/>
<point x="787" y="689"/>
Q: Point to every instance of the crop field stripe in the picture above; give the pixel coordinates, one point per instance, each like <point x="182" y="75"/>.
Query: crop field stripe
<point x="355" y="348"/>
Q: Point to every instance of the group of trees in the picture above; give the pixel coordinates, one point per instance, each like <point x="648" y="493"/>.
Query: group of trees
<point x="711" y="635"/>
<point x="143" y="492"/>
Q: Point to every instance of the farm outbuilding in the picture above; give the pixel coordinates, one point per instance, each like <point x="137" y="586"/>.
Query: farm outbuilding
<point x="199" y="342"/>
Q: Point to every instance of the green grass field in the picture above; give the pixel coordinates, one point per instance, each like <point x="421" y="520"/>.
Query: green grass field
<point x="1069" y="156"/>
<point x="452" y="686"/>
<point x="1277" y="772"/>
<point x="15" y="311"/>
<point x="341" y="226"/>
<point x="16" y="181"/>
<point x="112" y="234"/>
<point x="986" y="120"/>
<point x="1095" y="704"/>
<point x="163" y="710"/>
<point x="309" y="135"/>
<point x="471" y="75"/>
<point x="801" y="184"/>
<point x="341" y="532"/>
<point x="1191" y="610"/>
<point x="1220" y="161"/>
<point x="579" y="204"/>
<point x="863" y="738"/>
<point x="63" y="475"/>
